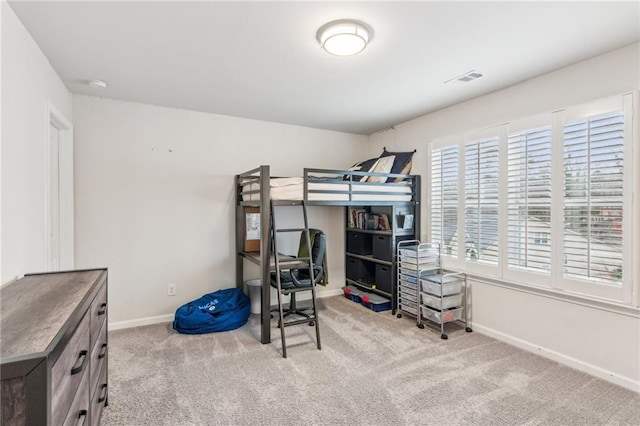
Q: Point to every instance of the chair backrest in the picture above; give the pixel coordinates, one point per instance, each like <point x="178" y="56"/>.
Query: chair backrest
<point x="318" y="250"/>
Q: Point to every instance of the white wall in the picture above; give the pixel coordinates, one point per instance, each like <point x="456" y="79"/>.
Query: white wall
<point x="28" y="83"/>
<point x="599" y="341"/>
<point x="155" y="197"/>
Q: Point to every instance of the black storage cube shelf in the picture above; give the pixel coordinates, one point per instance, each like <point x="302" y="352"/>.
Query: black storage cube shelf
<point x="358" y="243"/>
<point x="359" y="270"/>
<point x="384" y="277"/>
<point x="382" y="248"/>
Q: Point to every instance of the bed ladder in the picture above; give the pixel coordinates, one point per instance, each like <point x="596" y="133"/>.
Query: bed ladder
<point x="298" y="262"/>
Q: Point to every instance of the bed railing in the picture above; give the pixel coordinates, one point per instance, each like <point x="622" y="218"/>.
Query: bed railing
<point x="254" y="185"/>
<point x="346" y="181"/>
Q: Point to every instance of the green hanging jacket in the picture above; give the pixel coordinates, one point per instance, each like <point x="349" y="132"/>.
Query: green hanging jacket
<point x="304" y="252"/>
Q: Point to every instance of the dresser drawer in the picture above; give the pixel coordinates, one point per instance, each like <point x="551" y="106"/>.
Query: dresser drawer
<point x="98" y="313"/>
<point x="79" y="411"/>
<point x="68" y="371"/>
<point x="99" y="397"/>
<point x="98" y="357"/>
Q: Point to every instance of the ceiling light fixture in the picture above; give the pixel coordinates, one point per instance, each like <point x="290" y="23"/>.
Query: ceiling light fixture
<point x="344" y="37"/>
<point x="97" y="83"/>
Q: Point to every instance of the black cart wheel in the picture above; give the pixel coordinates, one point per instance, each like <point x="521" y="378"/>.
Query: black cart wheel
<point x="443" y="336"/>
<point x="399" y="316"/>
<point x="468" y="329"/>
<point x="420" y="326"/>
<point x="311" y="323"/>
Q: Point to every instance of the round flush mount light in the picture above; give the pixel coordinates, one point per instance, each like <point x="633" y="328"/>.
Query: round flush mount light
<point x="97" y="83"/>
<point x="344" y="37"/>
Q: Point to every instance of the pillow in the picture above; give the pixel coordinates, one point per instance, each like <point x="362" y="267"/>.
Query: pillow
<point x="362" y="166"/>
<point x="406" y="170"/>
<point x="401" y="164"/>
<point x="383" y="165"/>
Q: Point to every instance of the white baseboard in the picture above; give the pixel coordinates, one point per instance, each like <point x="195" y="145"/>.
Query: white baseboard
<point x="140" y="322"/>
<point x="593" y="370"/>
<point x="11" y="281"/>
<point x="119" y="325"/>
<point x="329" y="293"/>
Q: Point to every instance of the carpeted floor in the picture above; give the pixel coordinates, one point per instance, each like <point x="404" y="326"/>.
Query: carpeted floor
<point x="373" y="369"/>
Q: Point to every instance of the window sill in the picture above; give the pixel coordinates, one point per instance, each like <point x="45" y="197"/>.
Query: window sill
<point x="605" y="305"/>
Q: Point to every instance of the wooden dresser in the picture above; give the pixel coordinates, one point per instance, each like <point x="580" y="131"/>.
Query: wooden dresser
<point x="53" y="349"/>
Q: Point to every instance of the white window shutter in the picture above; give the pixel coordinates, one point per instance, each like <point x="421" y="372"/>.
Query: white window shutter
<point x="481" y="200"/>
<point x="444" y="199"/>
<point x="593" y="198"/>
<point x="529" y="200"/>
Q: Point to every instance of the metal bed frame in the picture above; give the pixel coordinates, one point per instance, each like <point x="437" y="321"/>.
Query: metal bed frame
<point x="262" y="176"/>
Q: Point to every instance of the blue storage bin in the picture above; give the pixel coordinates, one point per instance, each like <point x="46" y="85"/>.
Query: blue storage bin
<point x="375" y="302"/>
<point x="353" y="293"/>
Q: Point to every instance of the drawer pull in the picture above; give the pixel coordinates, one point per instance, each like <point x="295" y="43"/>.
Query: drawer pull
<point x="103" y="352"/>
<point x="103" y="309"/>
<point x="103" y="390"/>
<point x="76" y="370"/>
<point x="82" y="416"/>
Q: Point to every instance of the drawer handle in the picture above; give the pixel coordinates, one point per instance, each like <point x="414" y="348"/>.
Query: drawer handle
<point x="82" y="416"/>
<point x="103" y="395"/>
<point x="103" y="309"/>
<point x="76" y="370"/>
<point x="103" y="352"/>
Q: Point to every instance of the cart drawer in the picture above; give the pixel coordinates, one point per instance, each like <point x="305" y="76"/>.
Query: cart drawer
<point x="408" y="279"/>
<point x="407" y="298"/>
<point x="447" y="302"/>
<point x="419" y="263"/>
<point x="442" y="316"/>
<point x="409" y="288"/>
<point x="409" y="308"/>
<point x="446" y="288"/>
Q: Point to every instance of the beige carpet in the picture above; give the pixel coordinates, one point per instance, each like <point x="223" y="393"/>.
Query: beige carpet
<point x="373" y="369"/>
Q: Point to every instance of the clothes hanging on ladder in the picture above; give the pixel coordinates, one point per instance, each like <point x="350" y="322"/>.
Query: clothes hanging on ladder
<point x="304" y="252"/>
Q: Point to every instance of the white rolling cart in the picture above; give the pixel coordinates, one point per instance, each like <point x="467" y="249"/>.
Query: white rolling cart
<point x="415" y="261"/>
<point x="426" y="290"/>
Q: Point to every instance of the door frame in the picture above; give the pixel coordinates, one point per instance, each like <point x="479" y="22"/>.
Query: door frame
<point x="54" y="117"/>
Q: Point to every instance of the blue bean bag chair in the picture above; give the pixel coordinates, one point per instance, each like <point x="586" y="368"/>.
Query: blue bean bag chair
<point x="221" y="310"/>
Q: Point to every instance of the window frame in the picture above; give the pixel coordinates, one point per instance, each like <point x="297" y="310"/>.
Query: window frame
<point x="554" y="280"/>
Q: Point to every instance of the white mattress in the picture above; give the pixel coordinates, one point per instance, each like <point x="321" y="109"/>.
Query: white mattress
<point x="293" y="188"/>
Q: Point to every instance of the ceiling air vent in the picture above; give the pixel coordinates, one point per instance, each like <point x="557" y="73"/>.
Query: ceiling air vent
<point x="464" y="78"/>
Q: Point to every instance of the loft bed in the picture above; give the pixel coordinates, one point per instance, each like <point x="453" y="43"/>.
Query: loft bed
<point x="326" y="187"/>
<point x="256" y="190"/>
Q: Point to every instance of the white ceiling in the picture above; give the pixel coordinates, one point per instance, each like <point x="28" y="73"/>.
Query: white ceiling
<point x="261" y="60"/>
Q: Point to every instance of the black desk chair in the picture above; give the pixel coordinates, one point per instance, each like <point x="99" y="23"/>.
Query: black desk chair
<point x="293" y="281"/>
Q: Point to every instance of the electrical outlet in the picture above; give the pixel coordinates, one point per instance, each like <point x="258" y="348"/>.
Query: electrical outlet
<point x="171" y="289"/>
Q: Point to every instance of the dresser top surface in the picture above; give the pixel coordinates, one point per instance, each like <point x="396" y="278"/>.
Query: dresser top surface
<point x="35" y="308"/>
